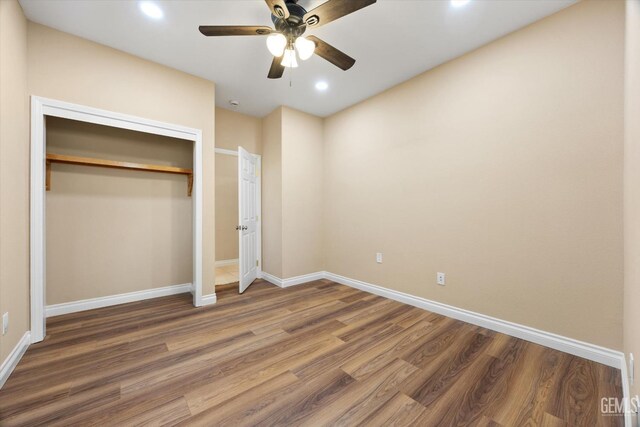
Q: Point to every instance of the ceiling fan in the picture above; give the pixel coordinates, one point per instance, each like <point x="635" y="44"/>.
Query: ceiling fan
<point x="291" y="21"/>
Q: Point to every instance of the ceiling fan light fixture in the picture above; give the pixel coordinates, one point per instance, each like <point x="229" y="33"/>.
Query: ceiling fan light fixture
<point x="276" y="43"/>
<point x="289" y="59"/>
<point x="305" y="47"/>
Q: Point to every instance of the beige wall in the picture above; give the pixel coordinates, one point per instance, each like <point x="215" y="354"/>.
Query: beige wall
<point x="292" y="193"/>
<point x="503" y="169"/>
<point x="68" y="68"/>
<point x="232" y="130"/>
<point x="235" y="129"/>
<point x="226" y="207"/>
<point x="632" y="187"/>
<point x="272" y="193"/>
<point x="14" y="174"/>
<point x="114" y="231"/>
<point x="302" y="159"/>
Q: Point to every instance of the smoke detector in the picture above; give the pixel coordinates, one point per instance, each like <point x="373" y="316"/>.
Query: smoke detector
<point x="234" y="103"/>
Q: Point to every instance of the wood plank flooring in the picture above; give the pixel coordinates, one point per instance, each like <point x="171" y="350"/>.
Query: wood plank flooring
<point x="314" y="354"/>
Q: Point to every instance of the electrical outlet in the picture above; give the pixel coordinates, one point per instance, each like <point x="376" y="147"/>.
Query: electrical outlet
<point x="440" y="279"/>
<point x="5" y="323"/>
<point x="379" y="257"/>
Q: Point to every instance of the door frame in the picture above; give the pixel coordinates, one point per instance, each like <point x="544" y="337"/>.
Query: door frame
<point x="41" y="107"/>
<point x="258" y="201"/>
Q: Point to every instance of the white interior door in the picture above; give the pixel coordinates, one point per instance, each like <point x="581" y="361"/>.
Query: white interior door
<point x="248" y="212"/>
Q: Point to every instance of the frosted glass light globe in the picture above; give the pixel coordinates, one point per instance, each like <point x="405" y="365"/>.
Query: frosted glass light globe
<point x="289" y="59"/>
<point x="305" y="48"/>
<point x="276" y="44"/>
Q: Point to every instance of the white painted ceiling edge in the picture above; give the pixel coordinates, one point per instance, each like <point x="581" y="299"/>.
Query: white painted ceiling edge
<point x="392" y="41"/>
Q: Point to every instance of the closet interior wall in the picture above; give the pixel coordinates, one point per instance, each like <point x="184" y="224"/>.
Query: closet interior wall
<point x="113" y="231"/>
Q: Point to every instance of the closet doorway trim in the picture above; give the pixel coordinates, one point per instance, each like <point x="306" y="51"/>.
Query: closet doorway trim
<point x="41" y="107"/>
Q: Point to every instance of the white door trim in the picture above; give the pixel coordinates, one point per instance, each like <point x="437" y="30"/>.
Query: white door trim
<point x="259" y="209"/>
<point x="41" y="107"/>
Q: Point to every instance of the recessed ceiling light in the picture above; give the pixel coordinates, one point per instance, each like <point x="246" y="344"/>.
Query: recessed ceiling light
<point x="322" y="86"/>
<point x="151" y="9"/>
<point x="459" y="3"/>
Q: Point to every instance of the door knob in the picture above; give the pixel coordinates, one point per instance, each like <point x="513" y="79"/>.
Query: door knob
<point x="244" y="227"/>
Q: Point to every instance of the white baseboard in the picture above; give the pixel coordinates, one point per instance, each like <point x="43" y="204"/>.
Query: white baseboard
<point x="271" y="278"/>
<point x="10" y="363"/>
<point x="585" y="350"/>
<point x="209" y="299"/>
<point x="292" y="281"/>
<point x="226" y="262"/>
<point x="89" y="304"/>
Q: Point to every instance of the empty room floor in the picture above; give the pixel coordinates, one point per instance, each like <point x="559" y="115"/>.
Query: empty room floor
<point x="313" y="354"/>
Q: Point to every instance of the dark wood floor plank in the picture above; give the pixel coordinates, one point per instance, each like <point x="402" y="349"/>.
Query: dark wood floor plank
<point x="313" y="395"/>
<point x="484" y="385"/>
<point x="369" y="362"/>
<point x="532" y="385"/>
<point x="248" y="407"/>
<point x="240" y="380"/>
<point x="362" y="398"/>
<point x="399" y="411"/>
<point x="429" y="385"/>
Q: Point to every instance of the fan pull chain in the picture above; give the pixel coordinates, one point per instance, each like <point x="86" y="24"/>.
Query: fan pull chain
<point x="291" y="77"/>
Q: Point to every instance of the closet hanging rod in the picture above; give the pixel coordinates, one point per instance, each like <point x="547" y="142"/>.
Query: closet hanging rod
<point x="116" y="164"/>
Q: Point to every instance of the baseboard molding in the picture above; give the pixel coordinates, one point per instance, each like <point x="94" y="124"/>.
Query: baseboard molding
<point x="10" y="363"/>
<point x="585" y="350"/>
<point x="292" y="281"/>
<point x="225" y="262"/>
<point x="271" y="278"/>
<point x="89" y="304"/>
<point x="209" y="299"/>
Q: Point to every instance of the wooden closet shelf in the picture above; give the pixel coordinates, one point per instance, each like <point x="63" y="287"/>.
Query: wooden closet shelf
<point x="87" y="161"/>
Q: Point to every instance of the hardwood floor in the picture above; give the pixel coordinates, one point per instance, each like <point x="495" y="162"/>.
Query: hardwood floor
<point x="314" y="354"/>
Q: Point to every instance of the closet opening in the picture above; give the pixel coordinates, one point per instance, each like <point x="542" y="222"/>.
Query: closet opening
<point x="116" y="210"/>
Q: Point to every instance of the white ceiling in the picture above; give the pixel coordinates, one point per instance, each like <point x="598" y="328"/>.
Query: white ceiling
<point x="391" y="40"/>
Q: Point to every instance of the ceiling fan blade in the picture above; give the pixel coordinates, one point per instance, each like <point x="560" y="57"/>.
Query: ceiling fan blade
<point x="332" y="10"/>
<point x="331" y="54"/>
<point x="278" y="8"/>
<point x="234" y="30"/>
<point x="277" y="69"/>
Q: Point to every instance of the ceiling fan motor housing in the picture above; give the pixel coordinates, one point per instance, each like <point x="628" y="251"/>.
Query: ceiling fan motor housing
<point x="294" y="25"/>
